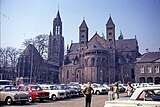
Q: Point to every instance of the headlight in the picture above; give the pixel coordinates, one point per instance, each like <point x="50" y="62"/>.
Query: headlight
<point x="16" y="95"/>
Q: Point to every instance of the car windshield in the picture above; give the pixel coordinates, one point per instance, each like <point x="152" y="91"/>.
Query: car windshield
<point x="53" y="87"/>
<point x="36" y="88"/>
<point x="10" y="88"/>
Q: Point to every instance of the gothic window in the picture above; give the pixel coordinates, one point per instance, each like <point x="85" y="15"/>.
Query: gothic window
<point x="103" y="62"/>
<point x="58" y="28"/>
<point x="77" y="76"/>
<point x="67" y="74"/>
<point x="157" y="69"/>
<point x="92" y="61"/>
<point x="142" y="69"/>
<point x="86" y="62"/>
<point x="110" y="33"/>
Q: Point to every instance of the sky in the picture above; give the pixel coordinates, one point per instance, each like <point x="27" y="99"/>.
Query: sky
<point x="25" y="19"/>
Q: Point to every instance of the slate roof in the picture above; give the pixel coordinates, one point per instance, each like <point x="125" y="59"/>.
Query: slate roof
<point x="95" y="46"/>
<point x="110" y="22"/>
<point x="83" y="24"/>
<point x="74" y="48"/>
<point x="149" y="57"/>
<point x="31" y="48"/>
<point x="126" y="45"/>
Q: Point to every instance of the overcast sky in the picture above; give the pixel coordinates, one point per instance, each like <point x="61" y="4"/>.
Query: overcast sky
<point x="24" y="19"/>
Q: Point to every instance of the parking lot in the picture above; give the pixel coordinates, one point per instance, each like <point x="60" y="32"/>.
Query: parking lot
<point x="97" y="101"/>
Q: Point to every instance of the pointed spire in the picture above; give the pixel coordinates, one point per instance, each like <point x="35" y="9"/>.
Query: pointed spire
<point x="58" y="15"/>
<point x="50" y="34"/>
<point x="120" y="36"/>
<point x="110" y="22"/>
<point x="83" y="24"/>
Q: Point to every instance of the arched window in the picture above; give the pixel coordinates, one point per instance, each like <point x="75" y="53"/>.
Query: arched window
<point x="132" y="73"/>
<point x="142" y="80"/>
<point x="92" y="61"/>
<point x="67" y="74"/>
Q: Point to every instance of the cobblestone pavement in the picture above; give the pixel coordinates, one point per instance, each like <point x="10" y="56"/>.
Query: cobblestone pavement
<point x="97" y="101"/>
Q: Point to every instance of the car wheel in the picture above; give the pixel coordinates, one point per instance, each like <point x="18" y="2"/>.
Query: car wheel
<point x="53" y="97"/>
<point x="9" y="101"/>
<point x="30" y="99"/>
<point x="98" y="92"/>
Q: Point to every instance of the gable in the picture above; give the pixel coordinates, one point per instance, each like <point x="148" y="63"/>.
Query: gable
<point x="95" y="38"/>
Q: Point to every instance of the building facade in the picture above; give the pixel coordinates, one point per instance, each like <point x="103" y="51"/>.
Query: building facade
<point x="32" y="68"/>
<point x="98" y="59"/>
<point x="148" y="68"/>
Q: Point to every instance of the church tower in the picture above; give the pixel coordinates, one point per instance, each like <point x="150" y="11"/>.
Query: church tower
<point x="83" y="35"/>
<point x="110" y="33"/>
<point x="56" y="42"/>
<point x="83" y="40"/>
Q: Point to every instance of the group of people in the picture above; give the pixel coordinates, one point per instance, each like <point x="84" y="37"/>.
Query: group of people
<point x="114" y="91"/>
<point x="112" y="94"/>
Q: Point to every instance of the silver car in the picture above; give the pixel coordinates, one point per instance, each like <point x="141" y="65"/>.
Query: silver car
<point x="142" y="97"/>
<point x="10" y="94"/>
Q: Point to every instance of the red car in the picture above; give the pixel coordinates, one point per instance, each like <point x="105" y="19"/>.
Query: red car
<point x="35" y="92"/>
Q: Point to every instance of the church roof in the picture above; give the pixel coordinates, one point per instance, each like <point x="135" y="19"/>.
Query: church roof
<point x="74" y="48"/>
<point x="126" y="45"/>
<point x="58" y="15"/>
<point x="31" y="50"/>
<point x="149" y="57"/>
<point x="95" y="46"/>
<point x="83" y="24"/>
<point x="110" y="22"/>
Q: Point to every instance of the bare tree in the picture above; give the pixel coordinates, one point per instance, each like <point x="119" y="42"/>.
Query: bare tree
<point x="40" y="42"/>
<point x="8" y="56"/>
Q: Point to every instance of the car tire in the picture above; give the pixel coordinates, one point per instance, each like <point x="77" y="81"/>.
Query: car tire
<point x="9" y="101"/>
<point x="30" y="99"/>
<point x="53" y="97"/>
<point x="98" y="92"/>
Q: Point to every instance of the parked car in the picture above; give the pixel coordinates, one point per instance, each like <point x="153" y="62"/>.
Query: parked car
<point x="35" y="92"/>
<point x="10" y="94"/>
<point x="142" y="97"/>
<point x="55" y="93"/>
<point x="99" y="89"/>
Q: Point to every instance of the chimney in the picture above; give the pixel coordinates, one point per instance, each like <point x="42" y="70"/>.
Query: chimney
<point x="147" y="50"/>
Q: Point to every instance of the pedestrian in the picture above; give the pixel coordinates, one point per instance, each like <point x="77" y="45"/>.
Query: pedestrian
<point x="130" y="89"/>
<point x="116" y="90"/>
<point x="88" y="94"/>
<point x="110" y="94"/>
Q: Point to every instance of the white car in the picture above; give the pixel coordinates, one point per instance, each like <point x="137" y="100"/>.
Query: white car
<point x="142" y="97"/>
<point x="55" y="93"/>
<point x="10" y="94"/>
<point x="99" y="89"/>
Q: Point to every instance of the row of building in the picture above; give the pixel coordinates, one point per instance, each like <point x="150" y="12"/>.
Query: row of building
<point x="96" y="60"/>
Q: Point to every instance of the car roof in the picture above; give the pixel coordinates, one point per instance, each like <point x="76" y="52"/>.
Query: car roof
<point x="139" y="90"/>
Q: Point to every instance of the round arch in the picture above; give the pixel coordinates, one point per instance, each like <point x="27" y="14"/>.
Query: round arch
<point x="157" y="80"/>
<point x="142" y="80"/>
<point x="149" y="80"/>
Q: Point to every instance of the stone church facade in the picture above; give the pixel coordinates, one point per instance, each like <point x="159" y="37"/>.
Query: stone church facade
<point x="98" y="59"/>
<point x="32" y="68"/>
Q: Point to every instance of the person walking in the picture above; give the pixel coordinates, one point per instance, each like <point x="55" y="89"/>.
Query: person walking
<point x="110" y="94"/>
<point x="130" y="89"/>
<point x="116" y="90"/>
<point x="88" y="94"/>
